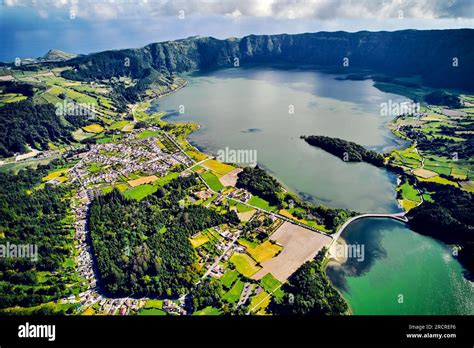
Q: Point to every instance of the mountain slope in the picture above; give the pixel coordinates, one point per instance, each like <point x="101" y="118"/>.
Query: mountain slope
<point x="57" y="56"/>
<point x="427" y="53"/>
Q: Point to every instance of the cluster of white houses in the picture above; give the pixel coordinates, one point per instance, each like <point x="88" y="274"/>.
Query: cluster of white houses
<point x="131" y="155"/>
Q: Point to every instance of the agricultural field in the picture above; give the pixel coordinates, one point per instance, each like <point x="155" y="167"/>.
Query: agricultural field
<point x="230" y="179"/>
<point x="208" y="311"/>
<point x="261" y="203"/>
<point x="147" y="133"/>
<point x="468" y="186"/>
<point x="244" y="264"/>
<point x="199" y="240"/>
<point x="153" y="307"/>
<point x="439" y="180"/>
<point x="448" y="162"/>
<point x="218" y="167"/>
<point x="259" y="302"/>
<point x="140" y="192"/>
<point x="243" y="208"/>
<point x="196" y="155"/>
<point x="289" y="214"/>
<point x="93" y="128"/>
<point x="58" y="174"/>
<point x="270" y="283"/>
<point x="229" y="277"/>
<point x="212" y="181"/>
<point x="143" y="180"/>
<point x="152" y="311"/>
<point x="261" y="252"/>
<point x="299" y="245"/>
<point x="409" y="192"/>
<point x="80" y="135"/>
<point x="11" y="98"/>
<point x="123" y="126"/>
<point x="166" y="179"/>
<point x="233" y="295"/>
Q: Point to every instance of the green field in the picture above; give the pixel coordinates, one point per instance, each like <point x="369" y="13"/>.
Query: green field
<point x="269" y="283"/>
<point x="212" y="181"/>
<point x="233" y="295"/>
<point x="439" y="169"/>
<point x="103" y="140"/>
<point x="409" y="192"/>
<point x="94" y="168"/>
<point x="107" y="189"/>
<point x="123" y="125"/>
<point x="229" y="278"/>
<point x="209" y="311"/>
<point x="244" y="264"/>
<point x="166" y="179"/>
<point x="147" y="133"/>
<point x="242" y="208"/>
<point x="261" y="203"/>
<point x="152" y="311"/>
<point x="140" y="192"/>
<point x="154" y="304"/>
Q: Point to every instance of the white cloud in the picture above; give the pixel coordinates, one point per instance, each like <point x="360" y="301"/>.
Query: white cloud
<point x="316" y="9"/>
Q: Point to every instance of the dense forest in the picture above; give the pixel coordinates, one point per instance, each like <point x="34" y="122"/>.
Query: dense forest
<point x="25" y="123"/>
<point x="34" y="215"/>
<point x="346" y="150"/>
<point x="443" y="98"/>
<point x="449" y="218"/>
<point x="309" y="292"/>
<point x="258" y="182"/>
<point x="207" y="293"/>
<point x="142" y="248"/>
<point x="15" y="87"/>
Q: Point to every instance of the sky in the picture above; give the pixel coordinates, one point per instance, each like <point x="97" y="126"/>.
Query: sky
<point x="29" y="28"/>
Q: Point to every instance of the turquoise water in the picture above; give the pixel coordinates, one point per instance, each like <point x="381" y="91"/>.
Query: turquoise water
<point x="403" y="273"/>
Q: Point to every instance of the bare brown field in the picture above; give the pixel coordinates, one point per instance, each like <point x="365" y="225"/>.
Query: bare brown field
<point x="142" y="180"/>
<point x="246" y="216"/>
<point x="424" y="173"/>
<point x="299" y="245"/>
<point x="6" y="78"/>
<point x="230" y="179"/>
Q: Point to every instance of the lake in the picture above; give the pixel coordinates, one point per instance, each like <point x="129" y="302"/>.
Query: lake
<point x="249" y="109"/>
<point x="398" y="262"/>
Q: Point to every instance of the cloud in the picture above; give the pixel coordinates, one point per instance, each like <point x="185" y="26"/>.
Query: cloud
<point x="277" y="9"/>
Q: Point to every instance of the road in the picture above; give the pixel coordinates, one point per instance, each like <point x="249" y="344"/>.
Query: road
<point x="396" y="216"/>
<point x="221" y="256"/>
<point x="412" y="171"/>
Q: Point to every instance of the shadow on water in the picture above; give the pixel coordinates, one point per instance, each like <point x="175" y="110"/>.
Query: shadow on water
<point x="371" y="240"/>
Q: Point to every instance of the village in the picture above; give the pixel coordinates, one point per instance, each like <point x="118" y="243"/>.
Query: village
<point x="111" y="162"/>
